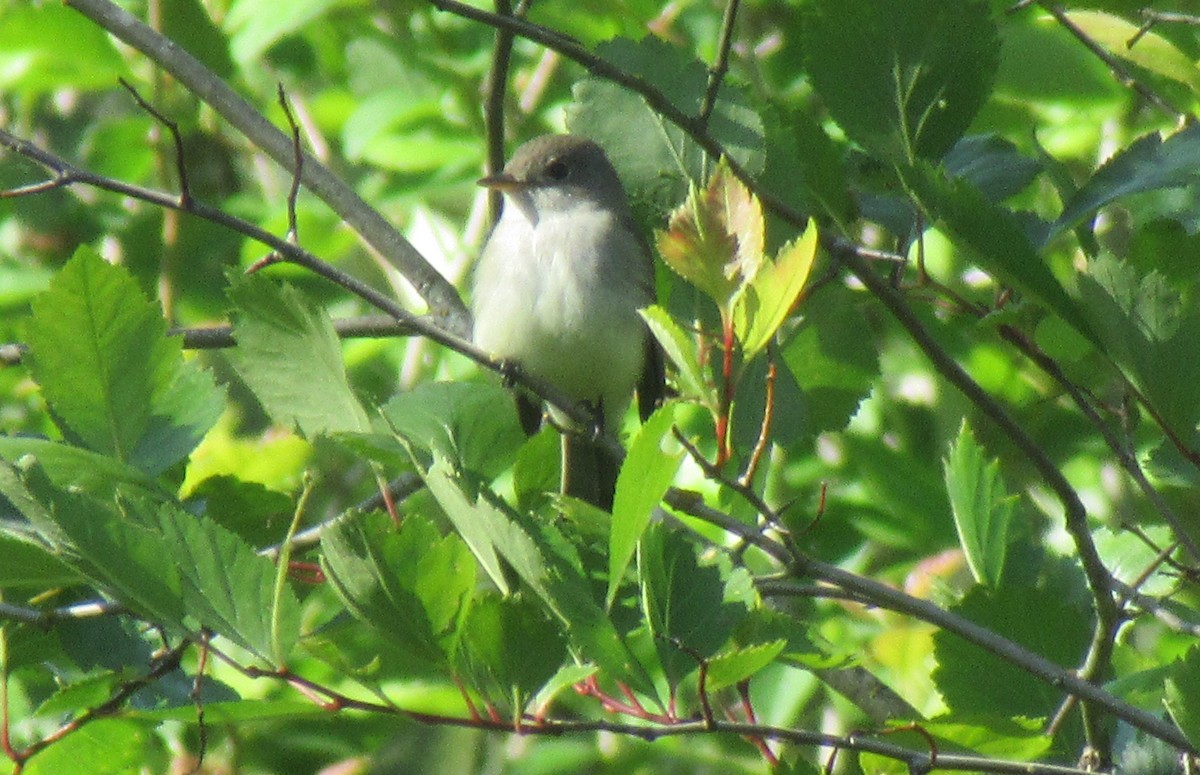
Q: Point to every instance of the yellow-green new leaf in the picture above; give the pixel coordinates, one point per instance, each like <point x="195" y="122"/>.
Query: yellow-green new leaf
<point x="714" y="240"/>
<point x="764" y="304"/>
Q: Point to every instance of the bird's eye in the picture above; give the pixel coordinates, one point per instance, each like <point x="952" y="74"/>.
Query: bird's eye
<point x="557" y="170"/>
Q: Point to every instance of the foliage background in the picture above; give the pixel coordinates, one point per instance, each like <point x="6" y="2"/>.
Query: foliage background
<point x="987" y="396"/>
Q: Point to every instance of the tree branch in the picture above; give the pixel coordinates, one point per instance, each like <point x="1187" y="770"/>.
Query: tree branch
<point x="443" y="300"/>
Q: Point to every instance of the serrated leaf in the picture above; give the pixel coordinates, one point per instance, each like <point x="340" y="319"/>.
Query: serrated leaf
<point x="1145" y="329"/>
<point x="228" y="587"/>
<point x="99" y="475"/>
<point x="494" y="629"/>
<point x="714" y="240"/>
<point x="832" y="358"/>
<point x="765" y="302"/>
<point x="983" y="510"/>
<point x="412" y="585"/>
<point x="177" y="570"/>
<point x="100" y="353"/>
<point x="1152" y="51"/>
<point x="969" y="678"/>
<point x="289" y="354"/>
<point x="1151" y="162"/>
<point x="903" y="79"/>
<point x="645" y="475"/>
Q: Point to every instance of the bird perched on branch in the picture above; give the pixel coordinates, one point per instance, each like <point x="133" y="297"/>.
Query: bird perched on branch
<point x="557" y="292"/>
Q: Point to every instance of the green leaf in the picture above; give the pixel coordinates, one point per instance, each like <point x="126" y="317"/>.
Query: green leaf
<point x="252" y="29"/>
<point x="806" y="167"/>
<point x="1182" y="694"/>
<point x="32" y="60"/>
<point x="656" y="159"/>
<point x="1149" y="163"/>
<point x="1152" y="52"/>
<point x="732" y="667"/>
<point x="28" y="564"/>
<point x="983" y="511"/>
<point x="994" y="238"/>
<point x="412" y="585"/>
<point x="178" y="570"/>
<point x="544" y="562"/>
<point x="103" y="747"/>
<point x="289" y="354"/>
<point x="645" y="475"/>
<point x="1146" y="330"/>
<point x="691" y="608"/>
<point x="512" y="647"/>
<point x="832" y="358"/>
<point x="969" y="678"/>
<point x="71" y="467"/>
<point x="996" y="736"/>
<point x="681" y="349"/>
<point x="903" y="79"/>
<point x="228" y="587"/>
<point x="767" y="299"/>
<point x="186" y="23"/>
<point x="472" y="424"/>
<point x="992" y="164"/>
<point x="100" y="353"/>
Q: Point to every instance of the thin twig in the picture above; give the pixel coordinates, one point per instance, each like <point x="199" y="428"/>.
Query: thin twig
<point x="716" y="73"/>
<point x="293" y="233"/>
<point x="1119" y="71"/>
<point x="185" y="191"/>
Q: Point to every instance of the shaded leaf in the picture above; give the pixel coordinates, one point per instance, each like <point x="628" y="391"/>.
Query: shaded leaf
<point x="545" y="563"/>
<point x="994" y="238"/>
<point x="1150" y="163"/>
<point x="1182" y="690"/>
<point x="680" y="347"/>
<point x="691" y="608"/>
<point x="969" y="678"/>
<point x="656" y="159"/>
<point x="903" y="79"/>
<point x="832" y="358"/>
<point x="495" y="626"/>
<point x="412" y="585"/>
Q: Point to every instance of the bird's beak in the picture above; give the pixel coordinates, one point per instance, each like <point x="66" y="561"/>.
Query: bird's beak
<point x="501" y="181"/>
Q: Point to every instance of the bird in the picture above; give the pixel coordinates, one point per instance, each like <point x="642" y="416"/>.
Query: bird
<point x="557" y="291"/>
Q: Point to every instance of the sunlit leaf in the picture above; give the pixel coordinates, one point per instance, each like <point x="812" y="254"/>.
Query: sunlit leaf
<point x="762" y="307"/>
<point x="645" y="475"/>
